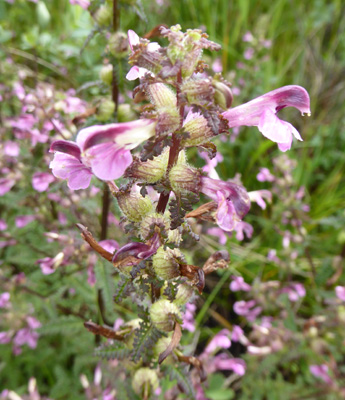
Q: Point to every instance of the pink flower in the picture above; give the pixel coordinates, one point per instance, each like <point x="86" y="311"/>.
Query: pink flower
<point x="82" y="3"/>
<point x="6" y="185"/>
<point x="243" y="228"/>
<point x="321" y="371"/>
<point x="49" y="265"/>
<point x="238" y="284"/>
<point x="3" y="225"/>
<point x="5" y="337"/>
<point x="11" y="149"/>
<point x="224" y="362"/>
<point x="295" y="291"/>
<point x="340" y="292"/>
<point x="103" y="150"/>
<point x="41" y="181"/>
<point x="259" y="195"/>
<point x="233" y="201"/>
<point x="247" y="309"/>
<point x="23" y="220"/>
<point x="219" y="341"/>
<point x="138" y="72"/>
<point x="265" y="175"/>
<point x="4" y="300"/>
<point x="188" y="317"/>
<point x="261" y="112"/>
<point x="222" y="237"/>
<point x="68" y="164"/>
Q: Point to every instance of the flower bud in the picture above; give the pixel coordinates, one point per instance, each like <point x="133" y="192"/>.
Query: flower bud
<point x="133" y="205"/>
<point x="165" y="102"/>
<point x="198" y="91"/>
<point x="223" y="94"/>
<point x="164" y="314"/>
<point x="105" y="110"/>
<point x="106" y="74"/>
<point x="145" y="382"/>
<point x="199" y="131"/>
<point x="165" y="263"/>
<point x="103" y="16"/>
<point x="149" y="222"/>
<point x="175" y="236"/>
<point x="161" y="346"/>
<point x="125" y="113"/>
<point x="150" y="171"/>
<point x="118" y="45"/>
<point x="184" y="178"/>
<point x="183" y="295"/>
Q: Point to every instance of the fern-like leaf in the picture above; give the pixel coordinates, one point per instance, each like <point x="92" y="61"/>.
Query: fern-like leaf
<point x="183" y="381"/>
<point x="144" y="340"/>
<point x="112" y="351"/>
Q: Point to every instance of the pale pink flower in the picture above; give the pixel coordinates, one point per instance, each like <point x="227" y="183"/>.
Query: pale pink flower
<point x="247" y="309"/>
<point x="222" y="362"/>
<point x="41" y="181"/>
<point x="261" y="112"/>
<point x="238" y="284"/>
<point x="249" y="53"/>
<point x="222" y="236"/>
<point x="243" y="228"/>
<point x="188" y="317"/>
<point x="82" y="3"/>
<point x="23" y="220"/>
<point x="4" y="300"/>
<point x="103" y="150"/>
<point x="11" y="148"/>
<point x="259" y="196"/>
<point x="248" y="37"/>
<point x="138" y="72"/>
<point x="340" y="292"/>
<point x="233" y="201"/>
<point x="321" y="371"/>
<point x="6" y="185"/>
<point x="265" y="175"/>
<point x="219" y="341"/>
<point x="3" y="225"/>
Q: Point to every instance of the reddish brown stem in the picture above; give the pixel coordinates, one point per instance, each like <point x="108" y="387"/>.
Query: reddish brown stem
<point x="174" y="148"/>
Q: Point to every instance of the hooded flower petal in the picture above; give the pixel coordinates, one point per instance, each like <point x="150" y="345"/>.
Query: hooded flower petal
<point x="107" y="147"/>
<point x="261" y="112"/>
<point x="126" y="134"/>
<point x="232" y="200"/>
<point x="68" y="167"/>
<point x="109" y="161"/>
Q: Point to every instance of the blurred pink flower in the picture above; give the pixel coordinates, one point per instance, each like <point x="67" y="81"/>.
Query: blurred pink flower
<point x="4" y="300"/>
<point x="340" y="292"/>
<point x="259" y="195"/>
<point x="188" y="317"/>
<point x="11" y="148"/>
<point x="321" y="371"/>
<point x="3" y="225"/>
<point x="238" y="284"/>
<point x="261" y="112"/>
<point x="23" y="220"/>
<point x="247" y="309"/>
<point x="219" y="341"/>
<point x="223" y="362"/>
<point x="265" y="175"/>
<point x="41" y="181"/>
<point x="233" y="201"/>
<point x="82" y="3"/>
<point x="6" y="185"/>
<point x="249" y="53"/>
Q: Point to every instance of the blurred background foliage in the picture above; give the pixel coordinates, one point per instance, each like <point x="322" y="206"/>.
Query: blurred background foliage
<point x="58" y="43"/>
